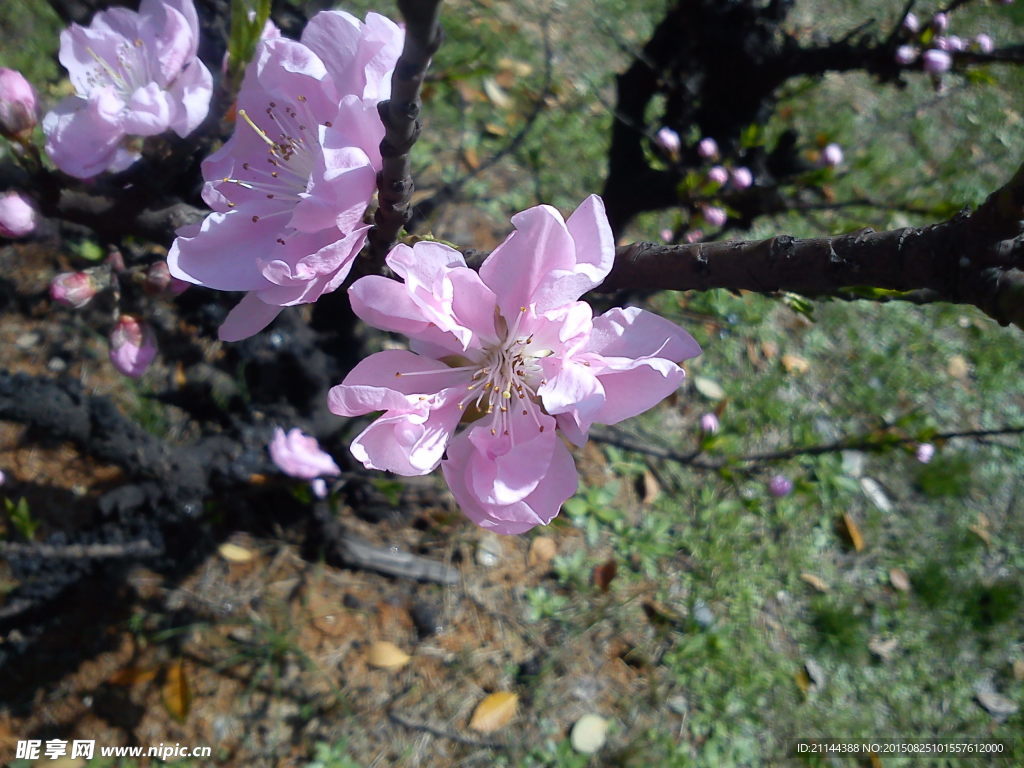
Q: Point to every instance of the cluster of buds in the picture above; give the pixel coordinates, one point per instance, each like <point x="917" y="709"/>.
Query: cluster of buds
<point x="938" y="47"/>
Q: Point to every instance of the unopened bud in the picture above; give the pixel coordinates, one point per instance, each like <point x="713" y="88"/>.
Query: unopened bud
<point x="73" y="289"/>
<point x="709" y="423"/>
<point x="666" y="235"/>
<point x="668" y="140"/>
<point x="159" y="280"/>
<point x="742" y="177"/>
<point x="935" y="61"/>
<point x="18" y="106"/>
<point x="940" y="22"/>
<point x="984" y="43"/>
<point x="780" y="486"/>
<point x="924" y="452"/>
<point x="132" y="346"/>
<point x="831" y="156"/>
<point x="694" y="236"/>
<point x="718" y="175"/>
<point x="713" y="215"/>
<point x="708" y="148"/>
<point x="911" y="23"/>
<point x="906" y="54"/>
<point x="17" y="215"/>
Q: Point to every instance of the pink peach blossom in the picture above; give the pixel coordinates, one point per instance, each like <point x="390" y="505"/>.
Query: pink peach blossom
<point x="291" y="186"/>
<point x="935" y="61"/>
<point x="134" y="74"/>
<point x="714" y="215"/>
<point x="299" y="455"/>
<point x="707" y="148"/>
<point x="511" y="354"/>
<point x="718" y="174"/>
<point x="132" y="346"/>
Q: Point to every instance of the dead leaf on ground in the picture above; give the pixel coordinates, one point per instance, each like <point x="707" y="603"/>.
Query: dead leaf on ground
<point x="542" y="551"/>
<point x="996" y="704"/>
<point x="958" y="367"/>
<point x="795" y="364"/>
<point x="899" y="579"/>
<point x="604" y="573"/>
<point x="851" y="531"/>
<point x="387" y="655"/>
<point x="712" y="390"/>
<point x="494" y="712"/>
<point x="815" y="581"/>
<point x="652" y="488"/>
<point x="234" y="553"/>
<point x="588" y="734"/>
<point x="982" y="529"/>
<point x="133" y="675"/>
<point x="177" y="693"/>
<point x="1018" y="670"/>
<point x="883" y="648"/>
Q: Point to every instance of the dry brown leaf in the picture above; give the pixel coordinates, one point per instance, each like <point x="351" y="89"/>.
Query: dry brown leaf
<point x="494" y="712"/>
<point x="387" y="655"/>
<point x="803" y="682"/>
<point x="604" y="573"/>
<point x="982" y="529"/>
<point x="795" y="364"/>
<point x="177" y="693"/>
<point x="496" y="94"/>
<point x="471" y="158"/>
<point x="852" y="532"/>
<point x="815" y="581"/>
<point x="958" y="367"/>
<point x="899" y="579"/>
<point x="233" y="553"/>
<point x="769" y="349"/>
<point x="133" y="675"/>
<point x="542" y="551"/>
<point x="1018" y="670"/>
<point x="652" y="489"/>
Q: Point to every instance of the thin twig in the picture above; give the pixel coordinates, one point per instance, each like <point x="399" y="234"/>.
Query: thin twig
<point x="441" y="733"/>
<point x="140" y="548"/>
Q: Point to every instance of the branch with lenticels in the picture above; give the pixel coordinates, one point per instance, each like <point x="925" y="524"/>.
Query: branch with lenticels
<point x="973" y="258"/>
<point x="401" y="117"/>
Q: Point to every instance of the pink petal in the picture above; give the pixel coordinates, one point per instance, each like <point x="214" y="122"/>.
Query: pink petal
<point x="636" y="386"/>
<point x="633" y="332"/>
<point x="249" y="317"/>
<point x="392" y="380"/>
<point x="407" y="444"/>
<point x="220" y="254"/>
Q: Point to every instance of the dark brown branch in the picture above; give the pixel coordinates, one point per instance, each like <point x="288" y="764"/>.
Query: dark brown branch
<point x="970" y="259"/>
<point x="401" y="117"/>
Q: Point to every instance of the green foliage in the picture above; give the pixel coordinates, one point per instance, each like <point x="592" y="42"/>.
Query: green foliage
<point x="21" y="517"/>
<point x="332" y="756"/>
<point x="248" y="18"/>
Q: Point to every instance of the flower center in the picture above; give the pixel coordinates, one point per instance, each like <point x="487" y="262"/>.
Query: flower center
<point x="127" y="73"/>
<point x="506" y="381"/>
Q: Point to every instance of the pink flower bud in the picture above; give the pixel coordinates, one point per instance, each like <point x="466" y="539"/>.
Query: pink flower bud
<point x="319" y="487"/>
<point x="116" y="260"/>
<point x="18" y="106"/>
<point x="718" y="175"/>
<point x="924" y="452"/>
<point x="952" y="43"/>
<point x="17" y="215"/>
<point x="906" y="54"/>
<point x="713" y="215"/>
<point x="708" y="148"/>
<point x="940" y="22"/>
<point x="935" y="61"/>
<point x="3" y="477"/>
<point x="984" y="43"/>
<point x="159" y="280"/>
<point x="666" y="235"/>
<point x="132" y="346"/>
<point x="831" y="156"/>
<point x="668" y="140"/>
<point x="300" y="455"/>
<point x="780" y="486"/>
<point x="709" y="423"/>
<point x="742" y="177"/>
<point x="73" y="289"/>
<point x="694" y="235"/>
<point x="911" y="24"/>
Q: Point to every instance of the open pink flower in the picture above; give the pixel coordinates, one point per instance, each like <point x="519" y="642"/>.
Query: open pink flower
<point x="290" y="188"/>
<point x="510" y="353"/>
<point x="135" y="74"/>
<point x="299" y="455"/>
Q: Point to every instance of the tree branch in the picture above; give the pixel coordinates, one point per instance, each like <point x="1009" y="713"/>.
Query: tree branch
<point x="401" y="117"/>
<point x="970" y="259"/>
